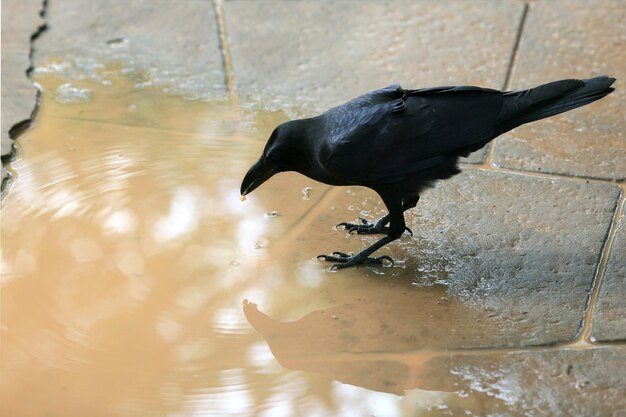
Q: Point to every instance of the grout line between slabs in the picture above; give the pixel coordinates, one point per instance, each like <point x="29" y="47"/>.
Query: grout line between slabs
<point x="592" y="301"/>
<point x="515" y="52"/>
<point x="509" y="73"/>
<point x="539" y="174"/>
<point x="225" y="49"/>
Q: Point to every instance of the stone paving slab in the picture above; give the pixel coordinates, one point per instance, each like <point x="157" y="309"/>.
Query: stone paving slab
<point x="572" y="39"/>
<point x="564" y="382"/>
<point x="610" y="317"/>
<point x="20" y="20"/>
<point x="171" y="45"/>
<point x="347" y="48"/>
<point x="523" y="250"/>
<point x="527" y="247"/>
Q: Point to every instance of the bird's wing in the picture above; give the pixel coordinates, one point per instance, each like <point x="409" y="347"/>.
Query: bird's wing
<point x="386" y="135"/>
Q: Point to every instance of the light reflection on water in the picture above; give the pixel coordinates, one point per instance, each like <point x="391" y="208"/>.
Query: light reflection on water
<point x="126" y="255"/>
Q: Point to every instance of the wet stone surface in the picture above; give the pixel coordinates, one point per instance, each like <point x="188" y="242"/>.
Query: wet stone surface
<point x="565" y="382"/>
<point x="524" y="249"/>
<point x="443" y="382"/>
<point x="171" y="45"/>
<point x="610" y="316"/>
<point x="586" y="41"/>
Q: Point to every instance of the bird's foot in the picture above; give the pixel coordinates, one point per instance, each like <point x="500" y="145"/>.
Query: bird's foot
<point x="345" y="261"/>
<point x="367" y="228"/>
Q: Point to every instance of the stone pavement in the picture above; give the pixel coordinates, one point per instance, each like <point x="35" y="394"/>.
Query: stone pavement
<point x="21" y="20"/>
<point x="535" y="224"/>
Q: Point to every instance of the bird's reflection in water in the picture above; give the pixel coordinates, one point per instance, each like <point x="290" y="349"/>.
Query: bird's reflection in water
<point x="391" y="341"/>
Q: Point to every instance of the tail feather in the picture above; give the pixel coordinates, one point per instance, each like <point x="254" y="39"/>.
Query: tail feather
<point x="550" y="99"/>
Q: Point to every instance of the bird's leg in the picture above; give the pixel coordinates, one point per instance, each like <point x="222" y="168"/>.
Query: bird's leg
<point x="396" y="228"/>
<point x="379" y="226"/>
<point x="410" y="203"/>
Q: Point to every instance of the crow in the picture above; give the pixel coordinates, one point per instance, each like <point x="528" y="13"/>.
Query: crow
<point x="398" y="142"/>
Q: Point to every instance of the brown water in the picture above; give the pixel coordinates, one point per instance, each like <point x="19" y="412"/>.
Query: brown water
<point x="135" y="282"/>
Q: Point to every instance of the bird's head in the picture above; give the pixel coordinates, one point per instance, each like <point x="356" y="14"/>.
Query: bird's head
<point x="281" y="154"/>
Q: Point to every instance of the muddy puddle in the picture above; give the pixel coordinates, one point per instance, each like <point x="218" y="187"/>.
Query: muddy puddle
<point x="136" y="283"/>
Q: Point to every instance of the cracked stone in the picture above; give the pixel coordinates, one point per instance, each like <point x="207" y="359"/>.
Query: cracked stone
<point x="20" y="20"/>
<point x="586" y="41"/>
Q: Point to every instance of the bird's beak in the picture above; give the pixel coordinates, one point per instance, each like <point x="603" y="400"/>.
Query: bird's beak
<point x="260" y="172"/>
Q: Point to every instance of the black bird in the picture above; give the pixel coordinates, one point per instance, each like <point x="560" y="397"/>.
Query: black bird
<point x="397" y="142"/>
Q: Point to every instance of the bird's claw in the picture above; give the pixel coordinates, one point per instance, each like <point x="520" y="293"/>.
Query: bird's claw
<point x="365" y="228"/>
<point x="345" y="261"/>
